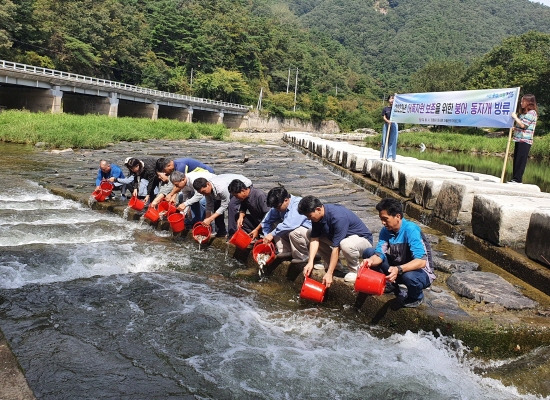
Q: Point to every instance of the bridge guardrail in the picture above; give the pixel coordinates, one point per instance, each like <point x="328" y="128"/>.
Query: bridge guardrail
<point x="47" y="72"/>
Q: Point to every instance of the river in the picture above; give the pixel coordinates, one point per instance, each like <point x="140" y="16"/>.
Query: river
<point x="96" y="307"/>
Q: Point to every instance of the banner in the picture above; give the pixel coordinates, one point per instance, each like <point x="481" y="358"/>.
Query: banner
<point x="488" y="108"/>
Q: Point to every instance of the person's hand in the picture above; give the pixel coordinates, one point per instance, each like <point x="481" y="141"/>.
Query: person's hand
<point x="240" y="221"/>
<point x="392" y="274"/>
<point x="135" y="193"/>
<point x="327" y="280"/>
<point x="97" y="187"/>
<point x="253" y="234"/>
<point x="111" y="179"/>
<point x="514" y="115"/>
<point x="268" y="238"/>
<point x="365" y="264"/>
<point x="308" y="268"/>
<point x="207" y="221"/>
<point x="146" y="199"/>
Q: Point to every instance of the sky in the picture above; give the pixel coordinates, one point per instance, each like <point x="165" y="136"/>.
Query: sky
<point x="546" y="2"/>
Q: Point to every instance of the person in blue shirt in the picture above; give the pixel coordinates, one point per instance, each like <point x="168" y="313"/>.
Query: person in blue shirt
<point x="285" y="226"/>
<point x="334" y="229"/>
<point x="403" y="253"/>
<point x="110" y="172"/>
<point x="184" y="165"/>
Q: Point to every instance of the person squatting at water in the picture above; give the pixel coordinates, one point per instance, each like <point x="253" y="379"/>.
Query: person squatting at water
<point x="191" y="201"/>
<point x="524" y="130"/>
<point x="285" y="226"/>
<point x="110" y="172"/>
<point x="215" y="190"/>
<point x="334" y="229"/>
<point x="403" y="254"/>
<point x="250" y="208"/>
<point x="143" y="178"/>
<point x="164" y="189"/>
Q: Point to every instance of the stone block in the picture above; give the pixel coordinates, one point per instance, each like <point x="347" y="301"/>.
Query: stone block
<point x="409" y="175"/>
<point x="537" y="245"/>
<point x="455" y="200"/>
<point x="453" y="266"/>
<point x="489" y="288"/>
<point x="504" y="220"/>
<point x="425" y="191"/>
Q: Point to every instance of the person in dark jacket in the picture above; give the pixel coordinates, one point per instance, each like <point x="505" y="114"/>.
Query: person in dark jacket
<point x="143" y="178"/>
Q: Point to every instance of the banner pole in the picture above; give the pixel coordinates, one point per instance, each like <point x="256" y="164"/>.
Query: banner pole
<point x="506" y="155"/>
<point x="509" y="139"/>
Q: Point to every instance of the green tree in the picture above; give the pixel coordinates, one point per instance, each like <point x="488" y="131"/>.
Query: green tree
<point x="222" y="85"/>
<point x="439" y="76"/>
<point x="7" y="24"/>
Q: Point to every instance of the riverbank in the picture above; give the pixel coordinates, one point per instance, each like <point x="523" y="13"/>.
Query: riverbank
<point x="490" y="330"/>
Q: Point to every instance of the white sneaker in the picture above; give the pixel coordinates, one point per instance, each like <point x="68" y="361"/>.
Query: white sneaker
<point x="350" y="277"/>
<point x="318" y="266"/>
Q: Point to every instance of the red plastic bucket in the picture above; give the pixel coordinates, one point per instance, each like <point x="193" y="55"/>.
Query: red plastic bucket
<point x="176" y="222"/>
<point x="313" y="290"/>
<point x="264" y="248"/>
<point x="166" y="207"/>
<point x="99" y="195"/>
<point x="152" y="214"/>
<point x="370" y="282"/>
<point x="240" y="239"/>
<point x="107" y="188"/>
<point x="136" y="203"/>
<point x="201" y="233"/>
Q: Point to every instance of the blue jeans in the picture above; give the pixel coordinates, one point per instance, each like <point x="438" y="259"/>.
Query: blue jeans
<point x="392" y="141"/>
<point x="415" y="281"/>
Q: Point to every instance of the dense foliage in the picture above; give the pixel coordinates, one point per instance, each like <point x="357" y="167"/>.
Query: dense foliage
<point x="348" y="54"/>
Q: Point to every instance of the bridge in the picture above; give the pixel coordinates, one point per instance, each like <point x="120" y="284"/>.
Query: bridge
<point x="40" y="89"/>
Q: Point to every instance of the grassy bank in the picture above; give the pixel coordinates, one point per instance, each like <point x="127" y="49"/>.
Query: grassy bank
<point x="467" y="142"/>
<point x="96" y="131"/>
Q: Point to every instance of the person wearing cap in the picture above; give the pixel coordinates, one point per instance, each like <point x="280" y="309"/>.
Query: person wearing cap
<point x="334" y="230"/>
<point x="285" y="226"/>
<point x="403" y="254"/>
<point x="250" y="208"/>
<point x="215" y="189"/>
<point x="110" y="172"/>
<point x="194" y="201"/>
<point x="164" y="188"/>
<point x="143" y="177"/>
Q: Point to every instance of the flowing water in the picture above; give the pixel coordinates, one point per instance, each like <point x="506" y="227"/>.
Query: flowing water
<point x="98" y="307"/>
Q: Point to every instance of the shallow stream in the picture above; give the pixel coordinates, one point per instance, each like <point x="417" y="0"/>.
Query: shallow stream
<point x="98" y="307"/>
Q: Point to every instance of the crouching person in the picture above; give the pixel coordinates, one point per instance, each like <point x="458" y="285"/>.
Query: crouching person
<point x="285" y="226"/>
<point x="334" y="229"/>
<point x="403" y="253"/>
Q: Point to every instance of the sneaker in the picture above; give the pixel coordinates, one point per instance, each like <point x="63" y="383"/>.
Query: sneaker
<point x="413" y="303"/>
<point x="350" y="277"/>
<point x="390" y="287"/>
<point x="513" y="181"/>
<point x="318" y="266"/>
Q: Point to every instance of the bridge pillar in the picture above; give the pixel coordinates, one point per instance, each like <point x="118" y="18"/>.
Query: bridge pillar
<point x="57" y="100"/>
<point x="113" y="105"/>
<point x="189" y="115"/>
<point x="220" y="117"/>
<point x="155" y="107"/>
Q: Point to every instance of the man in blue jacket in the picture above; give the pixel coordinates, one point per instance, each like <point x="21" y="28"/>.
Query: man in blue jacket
<point x="334" y="229"/>
<point x="285" y="226"/>
<point x="403" y="253"/>
<point x="110" y="172"/>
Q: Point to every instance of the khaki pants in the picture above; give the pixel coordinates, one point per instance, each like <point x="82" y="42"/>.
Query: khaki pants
<point x="351" y="248"/>
<point x="295" y="243"/>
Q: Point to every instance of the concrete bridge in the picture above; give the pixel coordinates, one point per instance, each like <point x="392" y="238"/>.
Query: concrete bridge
<point x="46" y="90"/>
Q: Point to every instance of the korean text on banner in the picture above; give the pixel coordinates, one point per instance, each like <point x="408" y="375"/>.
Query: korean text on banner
<point x="490" y="108"/>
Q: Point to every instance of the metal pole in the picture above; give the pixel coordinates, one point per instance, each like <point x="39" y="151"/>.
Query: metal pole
<point x="288" y="80"/>
<point x="191" y="78"/>
<point x="295" y="89"/>
<point x="509" y="140"/>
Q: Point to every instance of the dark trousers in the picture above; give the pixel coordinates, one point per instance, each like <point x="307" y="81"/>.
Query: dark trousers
<point x="249" y="223"/>
<point x="415" y="281"/>
<point x="521" y="154"/>
<point x="219" y="221"/>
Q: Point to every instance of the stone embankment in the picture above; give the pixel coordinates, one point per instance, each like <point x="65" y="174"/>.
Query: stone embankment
<point x="489" y="309"/>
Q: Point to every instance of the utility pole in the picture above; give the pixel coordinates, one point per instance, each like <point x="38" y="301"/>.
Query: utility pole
<point x="259" y="105"/>
<point x="288" y="80"/>
<point x="191" y="78"/>
<point x="295" y="89"/>
<point x="336" y="90"/>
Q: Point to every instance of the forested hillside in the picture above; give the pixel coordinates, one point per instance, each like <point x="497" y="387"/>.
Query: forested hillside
<point x="348" y="53"/>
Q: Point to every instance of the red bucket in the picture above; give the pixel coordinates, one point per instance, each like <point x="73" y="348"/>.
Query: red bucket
<point x="201" y="233"/>
<point x="176" y="222"/>
<point x="99" y="195"/>
<point x="167" y="208"/>
<point x="152" y="214"/>
<point x="313" y="290"/>
<point x="370" y="282"/>
<point x="264" y="248"/>
<point x="240" y="239"/>
<point x="136" y="203"/>
<point x="107" y="188"/>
